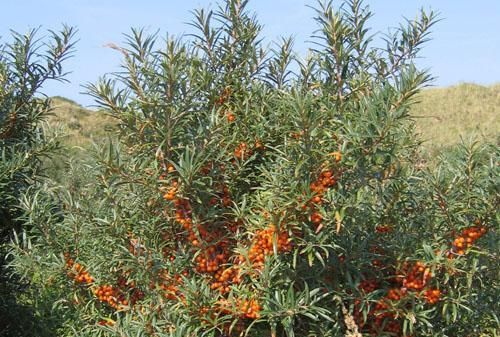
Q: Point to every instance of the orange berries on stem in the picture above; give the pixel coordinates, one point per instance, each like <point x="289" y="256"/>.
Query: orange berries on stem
<point x="432" y="296"/>
<point x="77" y="272"/>
<point x="249" y="308"/>
<point x="383" y="229"/>
<point x="230" y="117"/>
<point x="318" y="188"/>
<point x="466" y="240"/>
<point x="368" y="286"/>
<point x="316" y="218"/>
<point x="337" y="155"/>
<point x="242" y="151"/>
<point x="262" y="245"/>
<point x="171" y="191"/>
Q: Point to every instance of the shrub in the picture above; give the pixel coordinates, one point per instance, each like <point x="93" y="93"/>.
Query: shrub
<point x="254" y="193"/>
<point x="25" y="65"/>
<point x="24" y="68"/>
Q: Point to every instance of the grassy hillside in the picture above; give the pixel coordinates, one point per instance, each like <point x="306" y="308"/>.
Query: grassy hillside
<point x="81" y="126"/>
<point x="443" y="116"/>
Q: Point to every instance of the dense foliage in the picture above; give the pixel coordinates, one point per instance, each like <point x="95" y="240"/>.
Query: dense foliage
<point x="24" y="68"/>
<point x="26" y="64"/>
<point x="253" y="193"/>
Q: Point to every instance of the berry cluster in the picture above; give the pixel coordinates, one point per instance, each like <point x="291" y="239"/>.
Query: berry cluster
<point x="77" y="272"/>
<point x="318" y="188"/>
<point x="413" y="278"/>
<point x="249" y="308"/>
<point x="211" y="258"/>
<point x="417" y="276"/>
<point x="324" y="181"/>
<point x="111" y="295"/>
<point x="221" y="100"/>
<point x="384" y="229"/>
<point x="119" y="296"/>
<point x="465" y="240"/>
<point x="171" y="191"/>
<point x="213" y="253"/>
<point x="380" y="317"/>
<point x="114" y="296"/>
<point x="242" y="151"/>
<point x="432" y="296"/>
<point x="262" y="245"/>
<point x="368" y="286"/>
<point x="183" y="217"/>
<point x="213" y="248"/>
<point x="224" y="278"/>
<point x="170" y="285"/>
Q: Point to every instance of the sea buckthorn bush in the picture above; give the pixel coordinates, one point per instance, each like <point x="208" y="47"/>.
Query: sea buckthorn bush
<point x="27" y="62"/>
<point x="254" y="193"/>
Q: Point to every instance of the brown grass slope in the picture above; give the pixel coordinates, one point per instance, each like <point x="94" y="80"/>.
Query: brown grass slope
<point x="445" y="115"/>
<point x="81" y="127"/>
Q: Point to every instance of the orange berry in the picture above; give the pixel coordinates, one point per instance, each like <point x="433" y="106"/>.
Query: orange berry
<point x="337" y="155"/>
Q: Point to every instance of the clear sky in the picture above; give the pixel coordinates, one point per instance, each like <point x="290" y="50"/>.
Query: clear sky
<point x="465" y="45"/>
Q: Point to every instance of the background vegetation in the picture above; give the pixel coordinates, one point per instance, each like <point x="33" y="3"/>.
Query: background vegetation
<point x="444" y="116"/>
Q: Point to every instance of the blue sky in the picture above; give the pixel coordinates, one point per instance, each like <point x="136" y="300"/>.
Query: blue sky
<point x="465" y="45"/>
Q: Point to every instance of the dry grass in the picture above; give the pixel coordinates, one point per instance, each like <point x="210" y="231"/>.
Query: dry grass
<point x="81" y="126"/>
<point x="444" y="115"/>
